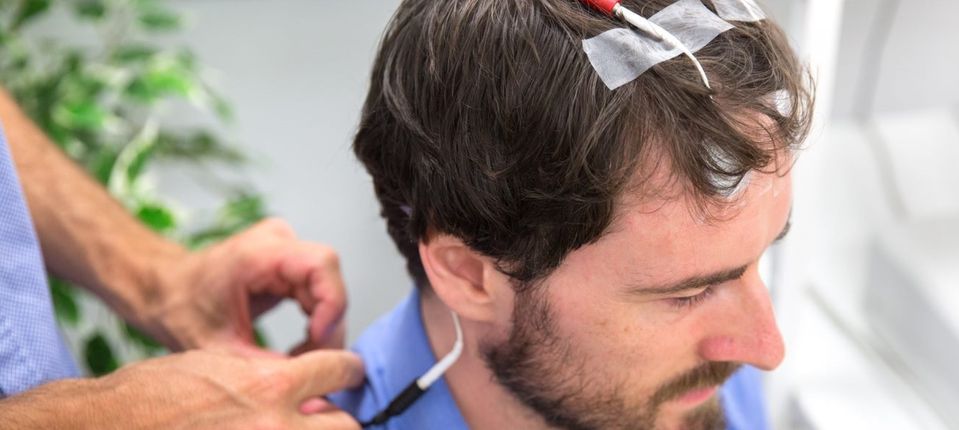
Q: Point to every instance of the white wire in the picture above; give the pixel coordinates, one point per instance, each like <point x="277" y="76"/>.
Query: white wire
<point x="652" y="29"/>
<point x="751" y="7"/>
<point x="436" y="372"/>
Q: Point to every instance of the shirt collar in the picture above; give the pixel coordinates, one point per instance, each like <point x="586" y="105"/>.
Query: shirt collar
<point x="397" y="352"/>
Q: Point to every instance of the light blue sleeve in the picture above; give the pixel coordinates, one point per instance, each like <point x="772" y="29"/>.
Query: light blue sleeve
<point x="31" y="349"/>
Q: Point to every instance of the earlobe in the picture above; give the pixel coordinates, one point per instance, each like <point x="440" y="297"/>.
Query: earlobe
<point x="459" y="276"/>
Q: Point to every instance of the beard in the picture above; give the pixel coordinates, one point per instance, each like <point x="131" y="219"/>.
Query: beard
<point x="544" y="371"/>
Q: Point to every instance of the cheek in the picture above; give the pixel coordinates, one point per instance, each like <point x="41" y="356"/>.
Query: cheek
<point x="617" y="343"/>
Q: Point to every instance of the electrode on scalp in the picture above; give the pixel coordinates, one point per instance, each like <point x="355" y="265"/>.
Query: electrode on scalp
<point x="652" y="30"/>
<point x="621" y="55"/>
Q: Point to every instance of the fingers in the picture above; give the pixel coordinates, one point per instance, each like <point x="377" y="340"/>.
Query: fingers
<point x="274" y="226"/>
<point x="304" y="347"/>
<point x="306" y="272"/>
<point x="323" y="372"/>
<point x="313" y="271"/>
<point x="334" y="340"/>
<point x="316" y="405"/>
<point x="325" y="320"/>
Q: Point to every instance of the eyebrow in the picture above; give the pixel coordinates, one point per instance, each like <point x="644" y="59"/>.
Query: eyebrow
<point x="693" y="283"/>
<point x="698" y="282"/>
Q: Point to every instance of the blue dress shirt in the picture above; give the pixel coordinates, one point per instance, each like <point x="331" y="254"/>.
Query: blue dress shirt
<point x="396" y="351"/>
<point x="31" y="349"/>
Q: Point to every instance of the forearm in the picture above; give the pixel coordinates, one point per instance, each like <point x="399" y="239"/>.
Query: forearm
<point x="72" y="403"/>
<point x="86" y="236"/>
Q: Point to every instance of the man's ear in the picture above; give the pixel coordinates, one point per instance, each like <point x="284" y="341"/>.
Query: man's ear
<point x="467" y="282"/>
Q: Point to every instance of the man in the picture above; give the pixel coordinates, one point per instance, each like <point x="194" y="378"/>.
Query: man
<point x="599" y="246"/>
<point x="183" y="299"/>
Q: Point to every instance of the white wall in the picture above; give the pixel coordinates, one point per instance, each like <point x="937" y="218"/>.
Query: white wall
<point x="296" y="72"/>
<point x="918" y="65"/>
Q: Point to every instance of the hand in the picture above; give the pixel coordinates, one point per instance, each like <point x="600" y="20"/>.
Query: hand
<point x="200" y="389"/>
<point x="213" y="296"/>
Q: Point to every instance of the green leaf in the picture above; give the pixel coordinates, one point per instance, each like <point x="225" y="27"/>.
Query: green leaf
<point x="140" y="339"/>
<point x="158" y="218"/>
<point x="198" y="146"/>
<point x="242" y="211"/>
<point x="186" y="59"/>
<point x="90" y="9"/>
<point x="206" y="237"/>
<point x="160" y="82"/>
<point x="134" y="53"/>
<point x="140" y="91"/>
<point x="73" y="62"/>
<point x="99" y="355"/>
<point x="140" y="162"/>
<point x="29" y="10"/>
<point x="158" y="19"/>
<point x="222" y="108"/>
<point x="102" y="163"/>
<point x="81" y="115"/>
<point x="64" y="302"/>
<point x="260" y="338"/>
<point x="237" y="214"/>
<point x="86" y="87"/>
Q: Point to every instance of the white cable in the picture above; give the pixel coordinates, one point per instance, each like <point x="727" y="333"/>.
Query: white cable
<point x="659" y="33"/>
<point x="752" y="8"/>
<point x="436" y="372"/>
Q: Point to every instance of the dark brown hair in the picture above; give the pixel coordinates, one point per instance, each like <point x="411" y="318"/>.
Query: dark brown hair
<point x="486" y="121"/>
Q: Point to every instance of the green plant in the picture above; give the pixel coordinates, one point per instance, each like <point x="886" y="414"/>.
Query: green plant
<point x="103" y="102"/>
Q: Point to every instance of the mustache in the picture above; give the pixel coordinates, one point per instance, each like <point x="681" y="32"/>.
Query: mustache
<point x="706" y="375"/>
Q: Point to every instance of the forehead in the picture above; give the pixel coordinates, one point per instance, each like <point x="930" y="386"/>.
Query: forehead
<point x="666" y="238"/>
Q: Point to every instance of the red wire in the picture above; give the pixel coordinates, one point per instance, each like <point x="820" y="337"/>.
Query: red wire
<point x="605" y="6"/>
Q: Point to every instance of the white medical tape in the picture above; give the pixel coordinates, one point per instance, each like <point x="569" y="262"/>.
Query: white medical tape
<point x="739" y="10"/>
<point x="621" y="55"/>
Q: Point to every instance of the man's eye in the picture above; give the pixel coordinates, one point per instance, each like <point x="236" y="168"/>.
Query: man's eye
<point x="691" y="301"/>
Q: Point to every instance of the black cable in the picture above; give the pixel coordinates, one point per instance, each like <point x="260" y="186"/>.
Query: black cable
<point x="396" y="407"/>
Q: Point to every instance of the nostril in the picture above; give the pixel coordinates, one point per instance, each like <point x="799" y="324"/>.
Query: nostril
<point x="763" y="350"/>
<point x="719" y="348"/>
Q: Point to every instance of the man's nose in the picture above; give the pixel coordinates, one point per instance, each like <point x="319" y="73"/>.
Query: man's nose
<point x="750" y="335"/>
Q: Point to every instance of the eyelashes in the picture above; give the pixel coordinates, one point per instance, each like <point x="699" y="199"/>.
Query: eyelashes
<point x="690" y="302"/>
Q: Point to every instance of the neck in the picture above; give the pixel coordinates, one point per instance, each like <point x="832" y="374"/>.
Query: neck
<point x="484" y="403"/>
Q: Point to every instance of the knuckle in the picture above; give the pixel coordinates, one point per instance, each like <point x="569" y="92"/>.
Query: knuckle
<point x="278" y="227"/>
<point x="275" y="382"/>
<point x="329" y="256"/>
<point x="344" y="368"/>
<point x="337" y="297"/>
<point x="247" y="257"/>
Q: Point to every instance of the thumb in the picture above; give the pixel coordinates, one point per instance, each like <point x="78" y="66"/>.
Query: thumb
<point x="322" y="372"/>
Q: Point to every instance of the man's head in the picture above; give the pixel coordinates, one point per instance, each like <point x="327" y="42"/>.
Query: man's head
<point x="571" y="223"/>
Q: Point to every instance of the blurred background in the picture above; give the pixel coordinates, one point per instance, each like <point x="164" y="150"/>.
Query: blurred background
<point x="223" y="111"/>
